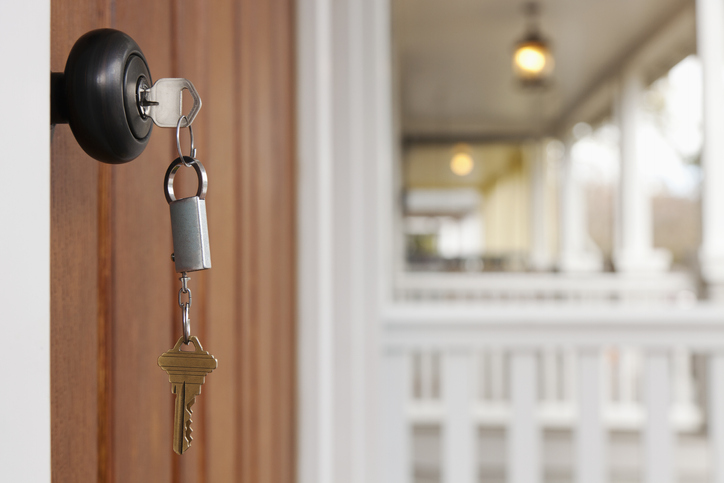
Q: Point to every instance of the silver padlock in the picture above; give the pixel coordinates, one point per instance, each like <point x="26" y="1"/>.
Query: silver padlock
<point x="188" y="220"/>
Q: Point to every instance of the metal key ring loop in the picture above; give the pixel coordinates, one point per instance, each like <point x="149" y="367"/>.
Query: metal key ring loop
<point x="171" y="173"/>
<point x="186" y="323"/>
<point x="178" y="140"/>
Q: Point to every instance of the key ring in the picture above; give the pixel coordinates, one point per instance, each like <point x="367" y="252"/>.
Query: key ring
<point x="186" y="323"/>
<point x="178" y="141"/>
<point x="171" y="173"/>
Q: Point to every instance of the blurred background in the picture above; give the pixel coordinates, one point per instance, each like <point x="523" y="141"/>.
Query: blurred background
<point x="515" y="163"/>
<point x="558" y="240"/>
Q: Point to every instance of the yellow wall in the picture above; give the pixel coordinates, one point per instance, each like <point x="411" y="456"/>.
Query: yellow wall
<point x="428" y="166"/>
<point x="506" y="210"/>
<point x="500" y="174"/>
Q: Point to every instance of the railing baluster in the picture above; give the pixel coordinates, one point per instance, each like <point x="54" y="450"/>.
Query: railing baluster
<point x="426" y="376"/>
<point x="683" y="387"/>
<point x="684" y="406"/>
<point x="416" y="375"/>
<point x="550" y="376"/>
<point x="607" y="372"/>
<point x="568" y="373"/>
<point x="396" y="422"/>
<point x="459" y="435"/>
<point x="716" y="415"/>
<point x="658" y="437"/>
<point x="590" y="436"/>
<point x="481" y="362"/>
<point x="435" y="385"/>
<point x="496" y="375"/>
<point x="524" y="438"/>
<point x="627" y="376"/>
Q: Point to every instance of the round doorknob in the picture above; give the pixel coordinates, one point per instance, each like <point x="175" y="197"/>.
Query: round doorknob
<point x="98" y="96"/>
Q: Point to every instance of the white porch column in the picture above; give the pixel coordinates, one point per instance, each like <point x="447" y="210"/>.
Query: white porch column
<point x="634" y="250"/>
<point x="577" y="252"/>
<point x="539" y="254"/>
<point x="710" y="46"/>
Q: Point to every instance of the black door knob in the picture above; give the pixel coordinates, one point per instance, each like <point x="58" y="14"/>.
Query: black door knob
<point x="98" y="96"/>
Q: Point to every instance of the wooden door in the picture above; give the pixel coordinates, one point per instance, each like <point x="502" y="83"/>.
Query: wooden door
<point x="113" y="286"/>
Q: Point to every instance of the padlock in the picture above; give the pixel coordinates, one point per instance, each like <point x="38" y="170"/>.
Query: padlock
<point x="188" y="220"/>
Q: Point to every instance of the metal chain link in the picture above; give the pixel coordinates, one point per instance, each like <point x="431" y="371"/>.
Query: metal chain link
<point x="185" y="306"/>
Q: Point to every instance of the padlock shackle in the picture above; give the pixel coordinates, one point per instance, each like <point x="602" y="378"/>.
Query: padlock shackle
<point x="171" y="173"/>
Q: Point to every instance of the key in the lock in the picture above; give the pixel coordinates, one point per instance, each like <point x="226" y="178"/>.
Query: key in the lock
<point x="163" y="102"/>
<point x="188" y="221"/>
<point x="187" y="373"/>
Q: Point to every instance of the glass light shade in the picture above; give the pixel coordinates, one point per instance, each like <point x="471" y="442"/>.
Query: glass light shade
<point x="461" y="164"/>
<point x="532" y="60"/>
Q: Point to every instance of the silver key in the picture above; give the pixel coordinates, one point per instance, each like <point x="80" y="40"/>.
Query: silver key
<point x="163" y="102"/>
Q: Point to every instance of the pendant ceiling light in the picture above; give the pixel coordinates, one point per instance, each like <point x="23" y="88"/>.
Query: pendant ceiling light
<point x="462" y="162"/>
<point x="532" y="59"/>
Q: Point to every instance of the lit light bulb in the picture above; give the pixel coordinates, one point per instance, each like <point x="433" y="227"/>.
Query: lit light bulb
<point x="531" y="59"/>
<point x="462" y="164"/>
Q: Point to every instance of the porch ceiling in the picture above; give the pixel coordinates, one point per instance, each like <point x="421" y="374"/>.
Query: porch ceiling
<point x="453" y="60"/>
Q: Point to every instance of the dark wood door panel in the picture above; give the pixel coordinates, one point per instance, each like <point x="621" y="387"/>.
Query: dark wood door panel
<point x="113" y="304"/>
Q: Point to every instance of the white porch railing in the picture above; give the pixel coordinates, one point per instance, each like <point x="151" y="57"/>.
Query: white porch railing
<point x="620" y="373"/>
<point x="676" y="288"/>
<point x="473" y="366"/>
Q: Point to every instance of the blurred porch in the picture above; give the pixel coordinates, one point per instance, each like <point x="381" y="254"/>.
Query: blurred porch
<point x="513" y="274"/>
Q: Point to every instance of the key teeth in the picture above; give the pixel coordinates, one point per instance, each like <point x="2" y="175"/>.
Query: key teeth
<point x="189" y="430"/>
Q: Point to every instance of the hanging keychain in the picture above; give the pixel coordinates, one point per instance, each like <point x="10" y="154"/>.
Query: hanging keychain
<point x="187" y="369"/>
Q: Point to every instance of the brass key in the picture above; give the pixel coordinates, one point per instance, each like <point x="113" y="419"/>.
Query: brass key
<point x="187" y="372"/>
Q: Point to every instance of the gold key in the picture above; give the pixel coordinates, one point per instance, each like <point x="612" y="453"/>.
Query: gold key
<point x="187" y="372"/>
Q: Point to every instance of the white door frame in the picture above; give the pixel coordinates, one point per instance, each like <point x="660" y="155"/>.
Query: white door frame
<point x="25" y="240"/>
<point x="345" y="205"/>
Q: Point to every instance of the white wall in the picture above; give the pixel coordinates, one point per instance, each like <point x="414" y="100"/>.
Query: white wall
<point x="25" y="241"/>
